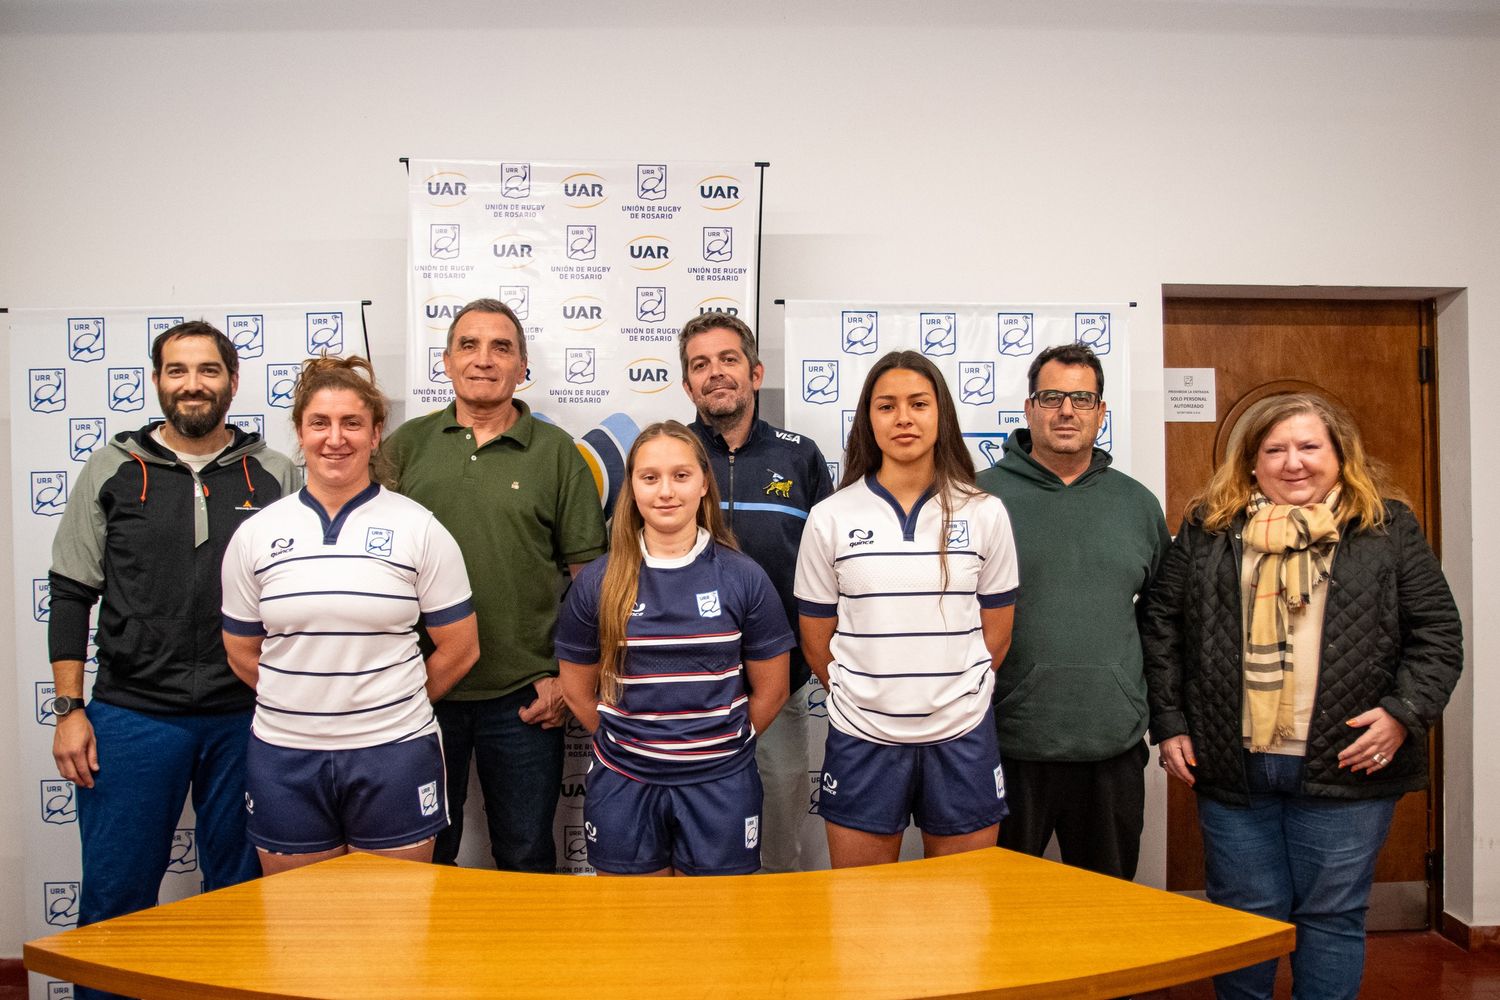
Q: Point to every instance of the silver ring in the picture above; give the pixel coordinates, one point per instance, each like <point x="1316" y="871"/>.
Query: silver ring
<point x="1380" y="759"/>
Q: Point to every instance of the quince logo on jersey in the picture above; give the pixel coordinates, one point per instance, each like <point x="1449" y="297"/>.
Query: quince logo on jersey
<point x="976" y="382"/>
<point x="247" y="333"/>
<point x="60" y="903"/>
<point x="183" y="857"/>
<point x="650" y="253"/>
<point x="514" y="250"/>
<point x="583" y="242"/>
<point x="250" y="423"/>
<point x="650" y="181"/>
<point x="281" y="382"/>
<point x="938" y="333"/>
<point x="648" y="375"/>
<point x="651" y="303"/>
<point x="1092" y="330"/>
<point x="719" y="192"/>
<point x="442" y="240"/>
<point x="438" y="311"/>
<point x="49" y="389"/>
<point x="721" y="304"/>
<point x="820" y="381"/>
<point x="49" y="493"/>
<point x="447" y="189"/>
<point x="584" y="190"/>
<point x="325" y="333"/>
<point x="85" y="436"/>
<point x="158" y="325"/>
<point x="58" y="802"/>
<point x="718" y="244"/>
<point x="515" y="181"/>
<point x="861" y="331"/>
<point x="578" y="365"/>
<point x="437" y="373"/>
<point x="86" y="339"/>
<point x="518" y="297"/>
<point x="1017" y="339"/>
<point x="583" y="313"/>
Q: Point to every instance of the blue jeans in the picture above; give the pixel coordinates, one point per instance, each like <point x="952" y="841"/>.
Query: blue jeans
<point x="147" y="764"/>
<point x="1293" y="857"/>
<point x="520" y="774"/>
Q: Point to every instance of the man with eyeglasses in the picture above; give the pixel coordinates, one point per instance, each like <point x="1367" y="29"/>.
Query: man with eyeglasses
<point x="1070" y="697"/>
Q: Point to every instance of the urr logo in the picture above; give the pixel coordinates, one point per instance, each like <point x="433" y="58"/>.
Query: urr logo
<point x="380" y="542"/>
<point x="1016" y="338"/>
<point x="958" y="533"/>
<point x="41" y="600"/>
<point x="436" y="373"/>
<point x="49" y="389"/>
<point x="861" y="331"/>
<point x="719" y="192"/>
<point x="60" y="903"/>
<point x="85" y="435"/>
<point x="443" y="240"/>
<point x="648" y="375"/>
<point x="584" y="190"/>
<point x="578" y="365"/>
<point x="1092" y="330"/>
<point x="574" y="845"/>
<point x="651" y="304"/>
<point x="976" y="382"/>
<point x="518" y="297"/>
<point x="325" y="333"/>
<point x="447" y="189"/>
<point x="127" y="389"/>
<point x="1105" y="439"/>
<point x="515" y="180"/>
<point x="718" y="244"/>
<point x="651" y="181"/>
<point x="184" y="854"/>
<point x="158" y="325"/>
<point x="939" y="336"/>
<point x="650" y="253"/>
<point x="59" y="991"/>
<point x="513" y="251"/>
<point x="247" y="334"/>
<point x="250" y="423"/>
<point x="281" y="382"/>
<point x="583" y="242"/>
<point x="45" y="692"/>
<point x="820" y="381"/>
<point x="49" y="493"/>
<point x="583" y="312"/>
<point x="86" y="339"/>
<point x="58" y="802"/>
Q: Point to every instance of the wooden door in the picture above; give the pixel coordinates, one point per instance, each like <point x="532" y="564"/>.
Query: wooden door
<point x="1376" y="359"/>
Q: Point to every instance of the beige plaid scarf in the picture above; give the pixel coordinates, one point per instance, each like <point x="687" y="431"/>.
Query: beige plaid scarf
<point x="1295" y="548"/>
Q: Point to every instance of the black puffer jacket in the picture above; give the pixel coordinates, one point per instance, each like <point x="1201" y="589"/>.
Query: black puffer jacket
<point x="1391" y="637"/>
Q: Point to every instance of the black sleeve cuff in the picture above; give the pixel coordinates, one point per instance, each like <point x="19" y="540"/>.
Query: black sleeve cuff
<point x="68" y="619"/>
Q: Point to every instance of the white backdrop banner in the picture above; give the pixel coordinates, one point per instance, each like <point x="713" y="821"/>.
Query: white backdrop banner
<point x="79" y="376"/>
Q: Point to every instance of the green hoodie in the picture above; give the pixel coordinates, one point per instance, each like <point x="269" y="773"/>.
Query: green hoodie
<point x="1071" y="688"/>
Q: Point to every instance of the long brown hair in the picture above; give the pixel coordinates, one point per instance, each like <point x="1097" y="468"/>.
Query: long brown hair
<point x="355" y="374"/>
<point x="622" y="575"/>
<point x="1365" y="482"/>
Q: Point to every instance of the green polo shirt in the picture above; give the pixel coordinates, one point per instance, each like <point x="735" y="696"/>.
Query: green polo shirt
<point x="522" y="506"/>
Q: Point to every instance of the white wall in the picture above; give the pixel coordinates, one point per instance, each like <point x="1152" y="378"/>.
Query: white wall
<point x="161" y="152"/>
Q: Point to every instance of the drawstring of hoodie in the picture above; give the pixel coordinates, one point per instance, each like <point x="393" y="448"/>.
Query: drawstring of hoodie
<point x="244" y="465"/>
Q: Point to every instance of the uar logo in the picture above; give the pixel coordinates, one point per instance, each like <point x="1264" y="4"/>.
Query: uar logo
<point x="779" y="486"/>
<point x="721" y="304"/>
<point x="60" y="903"/>
<point x="127" y="389"/>
<point x="650" y="253"/>
<point x="447" y="189"/>
<point x="651" y="181"/>
<point x="85" y="435"/>
<point x="45" y="692"/>
<point x="436" y="373"/>
<point x="513" y="251"/>
<point x="378" y="541"/>
<point x="651" y="304"/>
<point x="184" y="853"/>
<point x="718" y="244"/>
<point x="443" y="240"/>
<point x="427" y="798"/>
<point x="584" y="190"/>
<point x="247" y="332"/>
<point x="958" y="533"/>
<point x="938" y="332"/>
<point x="515" y="181"/>
<point x="439" y="311"/>
<point x="49" y="493"/>
<point x="158" y="325"/>
<point x="1016" y="338"/>
<point x="58" y="805"/>
<point x="325" y="333"/>
<point x="41" y="600"/>
<point x="86" y="339"/>
<point x="578" y="365"/>
<point x="518" y="297"/>
<point x="708" y="604"/>
<point x="49" y="389"/>
<point x="583" y="242"/>
<point x="583" y="313"/>
<point x="861" y="331"/>
<point x="976" y="382"/>
<point x="820" y="381"/>
<point x="648" y="375"/>
<point x="1092" y="330"/>
<point x="719" y="192"/>
<point x="281" y="382"/>
<point x="250" y="423"/>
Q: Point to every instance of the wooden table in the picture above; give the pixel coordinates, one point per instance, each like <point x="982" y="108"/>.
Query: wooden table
<point x="986" y="924"/>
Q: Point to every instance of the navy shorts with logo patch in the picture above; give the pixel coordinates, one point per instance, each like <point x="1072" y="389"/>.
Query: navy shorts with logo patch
<point x="948" y="789"/>
<point x="706" y="828"/>
<point x="374" y="798"/>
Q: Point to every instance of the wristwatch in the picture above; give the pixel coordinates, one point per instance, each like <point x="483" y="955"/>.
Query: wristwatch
<point x="63" y="704"/>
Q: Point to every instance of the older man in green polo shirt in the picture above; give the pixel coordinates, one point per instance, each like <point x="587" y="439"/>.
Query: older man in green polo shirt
<point x="516" y="494"/>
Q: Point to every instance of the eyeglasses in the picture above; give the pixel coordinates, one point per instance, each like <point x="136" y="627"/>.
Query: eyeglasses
<point x="1051" y="399"/>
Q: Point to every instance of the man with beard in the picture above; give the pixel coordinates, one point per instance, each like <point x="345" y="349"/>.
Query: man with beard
<point x="144" y="532"/>
<point x="768" y="480"/>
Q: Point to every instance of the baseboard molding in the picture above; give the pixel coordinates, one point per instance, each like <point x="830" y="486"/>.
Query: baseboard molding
<point x="12" y="972"/>
<point x="1470" y="938"/>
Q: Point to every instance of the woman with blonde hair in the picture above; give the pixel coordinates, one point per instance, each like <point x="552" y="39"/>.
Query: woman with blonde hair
<point x="673" y="653"/>
<point x="1300" y="639"/>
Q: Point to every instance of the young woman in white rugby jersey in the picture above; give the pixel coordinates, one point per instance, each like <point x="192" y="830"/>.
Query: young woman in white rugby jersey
<point x="906" y="583"/>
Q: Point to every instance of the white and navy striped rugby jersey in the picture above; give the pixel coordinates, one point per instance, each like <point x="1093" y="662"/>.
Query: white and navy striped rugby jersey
<point x="683" y="712"/>
<point x="909" y="660"/>
<point x="338" y="601"/>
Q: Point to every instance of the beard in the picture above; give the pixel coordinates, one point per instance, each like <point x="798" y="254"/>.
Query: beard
<point x="722" y="410"/>
<point x="200" y="421"/>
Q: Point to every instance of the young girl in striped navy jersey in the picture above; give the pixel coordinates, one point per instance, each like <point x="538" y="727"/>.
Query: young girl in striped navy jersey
<point x="673" y="651"/>
<point x="906" y="585"/>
